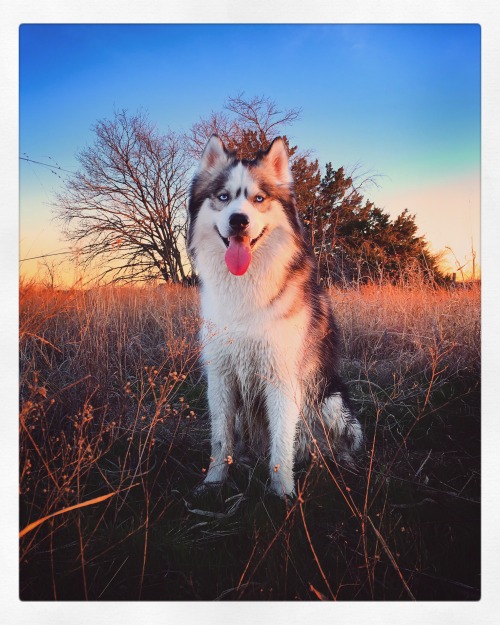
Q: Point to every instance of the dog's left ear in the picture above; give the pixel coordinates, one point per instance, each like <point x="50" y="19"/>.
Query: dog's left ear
<point x="276" y="159"/>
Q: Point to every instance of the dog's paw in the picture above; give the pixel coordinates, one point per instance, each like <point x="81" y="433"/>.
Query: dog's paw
<point x="282" y="489"/>
<point x="206" y="488"/>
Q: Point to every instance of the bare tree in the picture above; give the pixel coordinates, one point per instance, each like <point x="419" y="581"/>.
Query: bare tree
<point x="261" y="114"/>
<point x="246" y="124"/>
<point x="51" y="272"/>
<point x="219" y="124"/>
<point x="126" y="208"/>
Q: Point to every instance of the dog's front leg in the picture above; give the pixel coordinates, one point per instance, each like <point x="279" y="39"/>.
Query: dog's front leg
<point x="283" y="411"/>
<point x="222" y="399"/>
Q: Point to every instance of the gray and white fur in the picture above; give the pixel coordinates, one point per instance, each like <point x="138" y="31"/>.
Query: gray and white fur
<point x="269" y="339"/>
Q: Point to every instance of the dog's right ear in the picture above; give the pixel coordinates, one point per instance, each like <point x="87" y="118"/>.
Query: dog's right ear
<point x="215" y="156"/>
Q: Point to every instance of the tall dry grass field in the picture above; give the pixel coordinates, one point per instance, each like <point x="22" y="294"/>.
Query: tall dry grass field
<point x="114" y="439"/>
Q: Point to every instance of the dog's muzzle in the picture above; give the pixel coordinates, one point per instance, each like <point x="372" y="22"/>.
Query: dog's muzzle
<point x="238" y="224"/>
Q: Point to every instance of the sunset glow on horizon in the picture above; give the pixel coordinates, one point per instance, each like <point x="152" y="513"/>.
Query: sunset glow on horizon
<point x="401" y="102"/>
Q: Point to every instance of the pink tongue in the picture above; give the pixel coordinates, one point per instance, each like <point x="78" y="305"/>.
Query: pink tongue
<point x="238" y="255"/>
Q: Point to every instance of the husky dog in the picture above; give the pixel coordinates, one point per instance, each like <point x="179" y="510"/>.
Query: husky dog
<point x="270" y="344"/>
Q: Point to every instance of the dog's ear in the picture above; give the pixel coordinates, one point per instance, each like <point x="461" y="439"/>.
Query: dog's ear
<point x="276" y="160"/>
<point x="215" y="156"/>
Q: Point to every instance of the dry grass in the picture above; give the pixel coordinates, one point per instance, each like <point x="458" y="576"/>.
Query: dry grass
<point x="113" y="440"/>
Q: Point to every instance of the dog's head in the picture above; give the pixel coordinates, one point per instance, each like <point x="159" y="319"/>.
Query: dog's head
<point x="235" y="205"/>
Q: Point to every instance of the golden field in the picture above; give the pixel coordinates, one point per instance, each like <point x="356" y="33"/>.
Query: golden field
<point x="114" y="440"/>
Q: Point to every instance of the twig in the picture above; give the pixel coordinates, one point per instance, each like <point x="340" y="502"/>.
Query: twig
<point x="119" y="569"/>
<point x="391" y="558"/>
<point x="90" y="502"/>
<point x="422" y="465"/>
<point x="301" y="501"/>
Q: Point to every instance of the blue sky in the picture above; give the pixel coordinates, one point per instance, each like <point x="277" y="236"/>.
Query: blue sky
<point x="402" y="101"/>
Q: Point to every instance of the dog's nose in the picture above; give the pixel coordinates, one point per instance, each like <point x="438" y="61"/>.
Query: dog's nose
<point x="238" y="221"/>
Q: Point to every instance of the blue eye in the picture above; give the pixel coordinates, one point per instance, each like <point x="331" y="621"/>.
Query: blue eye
<point x="223" y="197"/>
<point x="259" y="198"/>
